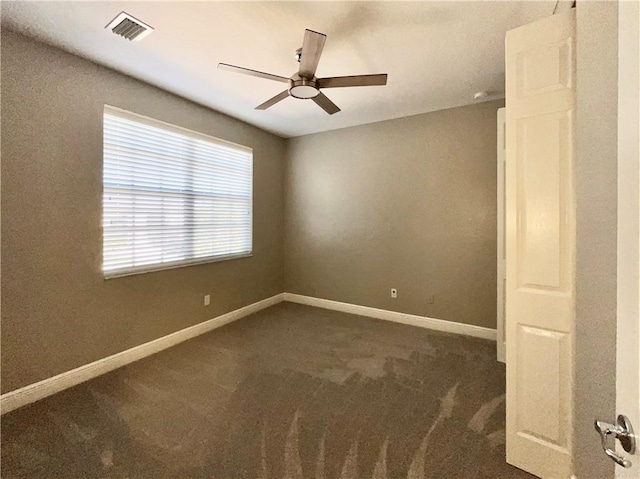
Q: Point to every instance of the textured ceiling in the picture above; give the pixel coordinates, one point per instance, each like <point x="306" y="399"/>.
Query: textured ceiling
<point x="437" y="54"/>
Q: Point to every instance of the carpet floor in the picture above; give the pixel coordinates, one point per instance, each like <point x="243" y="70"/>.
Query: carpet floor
<point x="289" y="392"/>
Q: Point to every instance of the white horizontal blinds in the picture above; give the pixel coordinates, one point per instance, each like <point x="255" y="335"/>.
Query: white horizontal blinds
<point x="171" y="196"/>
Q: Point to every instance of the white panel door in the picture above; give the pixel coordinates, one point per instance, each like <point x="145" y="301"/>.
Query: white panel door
<point x="540" y="242"/>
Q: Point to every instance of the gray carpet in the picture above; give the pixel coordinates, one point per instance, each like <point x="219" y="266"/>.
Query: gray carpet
<point x="289" y="392"/>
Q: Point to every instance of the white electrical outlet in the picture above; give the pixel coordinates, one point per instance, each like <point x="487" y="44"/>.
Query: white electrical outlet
<point x="207" y="300"/>
<point x="394" y="293"/>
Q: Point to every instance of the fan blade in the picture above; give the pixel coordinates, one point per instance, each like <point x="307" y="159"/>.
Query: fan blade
<point x="327" y="105"/>
<point x="312" y="46"/>
<point x="253" y="73"/>
<point x="356" y="80"/>
<point x="274" y="100"/>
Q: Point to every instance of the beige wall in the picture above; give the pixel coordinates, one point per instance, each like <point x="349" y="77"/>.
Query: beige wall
<point x="57" y="310"/>
<point x="596" y="231"/>
<point x="407" y="204"/>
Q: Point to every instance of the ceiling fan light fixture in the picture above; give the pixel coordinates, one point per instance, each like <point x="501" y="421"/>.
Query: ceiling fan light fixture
<point x="303" y="89"/>
<point x="304" y="84"/>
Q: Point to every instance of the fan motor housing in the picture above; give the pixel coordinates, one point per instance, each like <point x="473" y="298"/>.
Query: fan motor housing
<point x="303" y="88"/>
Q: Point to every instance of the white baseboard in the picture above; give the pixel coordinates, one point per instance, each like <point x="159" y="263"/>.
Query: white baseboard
<point x="34" y="392"/>
<point x="396" y="317"/>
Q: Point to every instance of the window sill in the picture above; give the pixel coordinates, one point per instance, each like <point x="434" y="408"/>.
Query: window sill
<point x="174" y="265"/>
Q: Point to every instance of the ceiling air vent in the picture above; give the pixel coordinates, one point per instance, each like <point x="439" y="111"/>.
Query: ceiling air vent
<point x="129" y="27"/>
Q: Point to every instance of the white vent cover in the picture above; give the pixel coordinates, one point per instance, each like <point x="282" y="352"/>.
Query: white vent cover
<point x="129" y="27"/>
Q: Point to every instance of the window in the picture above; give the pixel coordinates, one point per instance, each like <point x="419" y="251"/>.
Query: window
<point x="171" y="197"/>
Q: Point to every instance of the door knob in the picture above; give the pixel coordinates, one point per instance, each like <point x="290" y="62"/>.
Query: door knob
<point x="622" y="431"/>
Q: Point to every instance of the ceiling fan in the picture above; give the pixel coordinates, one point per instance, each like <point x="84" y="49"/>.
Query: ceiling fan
<point x="303" y="84"/>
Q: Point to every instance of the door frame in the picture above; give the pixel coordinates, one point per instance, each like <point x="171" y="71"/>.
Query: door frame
<point x="501" y="258"/>
<point x="628" y="271"/>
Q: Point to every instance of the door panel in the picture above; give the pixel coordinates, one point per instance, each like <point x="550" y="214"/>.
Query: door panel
<point x="541" y="145"/>
<point x="543" y="355"/>
<point x="545" y="69"/>
<point x="540" y="243"/>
